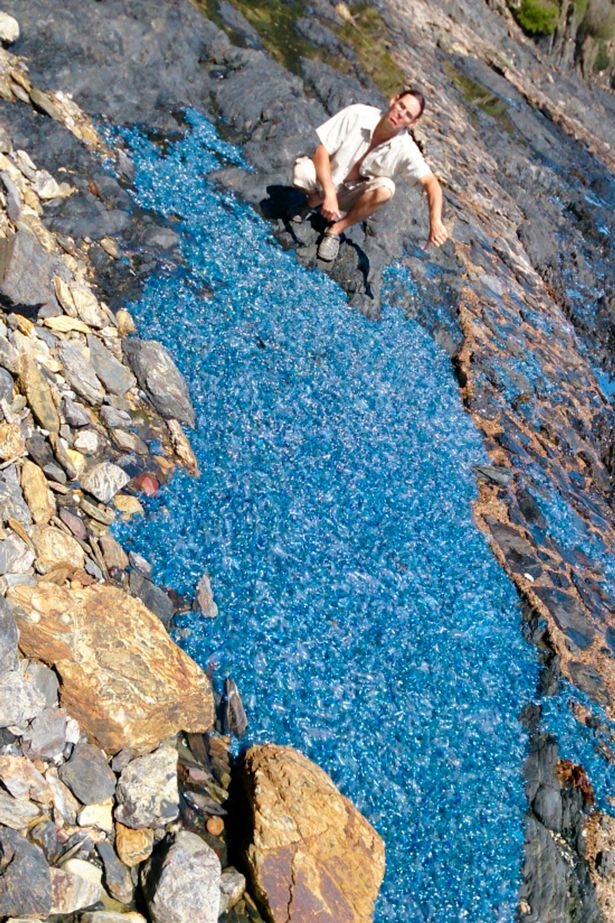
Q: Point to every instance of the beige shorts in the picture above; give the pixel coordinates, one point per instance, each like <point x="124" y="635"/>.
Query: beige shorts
<point x="304" y="178"/>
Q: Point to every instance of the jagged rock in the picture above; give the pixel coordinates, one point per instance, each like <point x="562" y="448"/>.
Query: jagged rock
<point x="26" y="271"/>
<point x="232" y="887"/>
<point x="74" y="888"/>
<point x="235" y="719"/>
<point x="205" y="597"/>
<point x="116" y="876"/>
<point x="88" y="775"/>
<point x="9" y="636"/>
<point x="185" y="883"/>
<point x="12" y="442"/>
<point x="123" y="678"/>
<point x="9" y="357"/>
<point x="65" y="805"/>
<point x="114" y="418"/>
<point x="147" y="794"/>
<point x="45" y="738"/>
<point x="39" y="394"/>
<point x="312" y="853"/>
<point x="22" y="779"/>
<point x="568" y="614"/>
<point x="54" y="547"/>
<point x="153" y="596"/>
<point x="19" y="700"/>
<point x="6" y="385"/>
<point x="79" y="301"/>
<point x="25" y="878"/>
<point x="15" y="556"/>
<point x="104" y="481"/>
<point x="114" y="375"/>
<point x="113" y="553"/>
<point x="75" y="414"/>
<point x="133" y="845"/>
<point x="16" y="812"/>
<point x="80" y="372"/>
<point x="36" y="492"/>
<point x="43" y="679"/>
<point x="158" y="375"/>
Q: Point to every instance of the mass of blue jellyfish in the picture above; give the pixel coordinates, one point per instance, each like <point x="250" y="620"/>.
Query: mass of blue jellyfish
<point x="361" y="613"/>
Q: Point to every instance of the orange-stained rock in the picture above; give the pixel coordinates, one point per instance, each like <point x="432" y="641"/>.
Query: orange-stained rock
<point x="313" y="856"/>
<point x="123" y="679"/>
<point x="133" y="846"/>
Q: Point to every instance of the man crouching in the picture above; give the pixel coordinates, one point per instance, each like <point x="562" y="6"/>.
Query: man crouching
<point x="350" y="175"/>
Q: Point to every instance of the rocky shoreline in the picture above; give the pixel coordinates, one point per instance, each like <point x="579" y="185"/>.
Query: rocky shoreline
<point x="90" y="419"/>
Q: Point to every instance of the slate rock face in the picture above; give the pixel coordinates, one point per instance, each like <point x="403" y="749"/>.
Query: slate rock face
<point x="88" y="775"/>
<point x="123" y="679"/>
<point x="25" y="880"/>
<point x="114" y="375"/>
<point x="313" y="856"/>
<point x="26" y="271"/>
<point x="158" y="375"/>
<point x="183" y="885"/>
<point x="147" y="793"/>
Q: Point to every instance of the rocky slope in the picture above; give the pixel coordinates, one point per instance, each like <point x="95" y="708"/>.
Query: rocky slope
<point x="524" y="296"/>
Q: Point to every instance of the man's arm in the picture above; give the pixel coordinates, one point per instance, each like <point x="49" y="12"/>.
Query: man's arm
<point x="433" y="190"/>
<point x="330" y="208"/>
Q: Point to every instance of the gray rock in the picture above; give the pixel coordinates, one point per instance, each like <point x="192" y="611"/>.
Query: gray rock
<point x="205" y="597"/>
<point x="232" y="887"/>
<point x="568" y="614"/>
<point x="26" y="271"/>
<point x="153" y="596"/>
<point x="114" y="418"/>
<point x="13" y="197"/>
<point x="25" y="879"/>
<point x="43" y="679"/>
<point x="605" y="862"/>
<point x="75" y="414"/>
<point x="113" y="374"/>
<point x="116" y="875"/>
<point x="104" y="481"/>
<point x="80" y="372"/>
<point x="147" y="794"/>
<point x="589" y="680"/>
<point x="15" y="556"/>
<point x="129" y="442"/>
<point x="158" y="375"/>
<point x="20" y="701"/>
<point x="45" y="738"/>
<point x="185" y="884"/>
<point x="88" y="775"/>
<point x="235" y="720"/>
<point x="12" y="503"/>
<point x="72" y="892"/>
<point x="6" y="386"/>
<point x="9" y="636"/>
<point x="547" y="806"/>
<point x="9" y="357"/>
<point x="17" y="812"/>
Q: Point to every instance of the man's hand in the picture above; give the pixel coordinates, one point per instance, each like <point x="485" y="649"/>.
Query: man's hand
<point x="437" y="234"/>
<point x="330" y="208"/>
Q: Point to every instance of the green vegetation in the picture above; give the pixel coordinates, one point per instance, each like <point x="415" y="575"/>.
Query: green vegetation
<point x="538" y="17"/>
<point x="478" y="96"/>
<point x="368" y="37"/>
<point x="602" y="57"/>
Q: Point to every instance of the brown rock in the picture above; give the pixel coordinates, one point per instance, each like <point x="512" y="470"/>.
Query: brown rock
<point x="123" y="679"/>
<point x="313" y="855"/>
<point x="215" y="826"/>
<point x="133" y="846"/>
<point x="37" y="494"/>
<point x="113" y="553"/>
<point x="12" y="442"/>
<point x="39" y="395"/>
<point x="54" y="547"/>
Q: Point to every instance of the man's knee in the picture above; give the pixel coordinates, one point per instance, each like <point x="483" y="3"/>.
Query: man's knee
<point x="384" y="189"/>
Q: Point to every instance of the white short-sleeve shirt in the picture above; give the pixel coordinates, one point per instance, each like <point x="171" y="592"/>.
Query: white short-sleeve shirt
<point x="347" y="136"/>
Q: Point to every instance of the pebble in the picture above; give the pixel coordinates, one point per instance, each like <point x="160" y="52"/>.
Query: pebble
<point x="88" y="775"/>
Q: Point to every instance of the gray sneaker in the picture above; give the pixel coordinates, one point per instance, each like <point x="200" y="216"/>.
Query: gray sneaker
<point x="329" y="247"/>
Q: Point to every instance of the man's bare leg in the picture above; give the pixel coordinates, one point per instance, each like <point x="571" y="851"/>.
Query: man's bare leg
<point x="366" y="205"/>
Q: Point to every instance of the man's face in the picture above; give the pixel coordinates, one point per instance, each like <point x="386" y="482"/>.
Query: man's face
<point x="403" y="111"/>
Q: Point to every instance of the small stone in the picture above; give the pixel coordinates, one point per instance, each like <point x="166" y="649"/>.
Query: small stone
<point x="149" y="484"/>
<point x="74" y="523"/>
<point x="110" y="916"/>
<point x="232" y="888"/>
<point x="9" y="636"/>
<point x="75" y="414"/>
<point x="19" y="700"/>
<point x="125" y="323"/>
<point x="185" y="884"/>
<point x="114" y="418"/>
<point x="116" y="875"/>
<point x="9" y="29"/>
<point x="147" y="794"/>
<point x="45" y="738"/>
<point x="235" y="720"/>
<point x="65" y="805"/>
<point x="87" y="441"/>
<point x="113" y="553"/>
<point x="16" y="557"/>
<point x="12" y="442"/>
<point x="88" y="775"/>
<point x="114" y="375"/>
<point x="55" y="547"/>
<point x="80" y="372"/>
<point x="17" y="813"/>
<point x="129" y="442"/>
<point x="43" y="679"/>
<point x="104" y="481"/>
<point x="97" y="815"/>
<point x="134" y="846"/>
<point x="74" y="887"/>
<point x="36" y="492"/>
<point x="158" y="375"/>
<point x="22" y="779"/>
<point x="205" y="597"/>
<point x="39" y="394"/>
<point x="215" y="826"/>
<point x="25" y="879"/>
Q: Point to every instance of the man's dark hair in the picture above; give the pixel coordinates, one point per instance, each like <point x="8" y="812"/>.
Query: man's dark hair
<point x="414" y="91"/>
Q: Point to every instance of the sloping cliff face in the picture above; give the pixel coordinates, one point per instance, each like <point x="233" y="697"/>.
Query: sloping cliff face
<point x="524" y="294"/>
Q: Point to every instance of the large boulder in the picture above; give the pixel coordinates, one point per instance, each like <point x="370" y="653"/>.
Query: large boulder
<point x="123" y="679"/>
<point x="313" y="856"/>
<point x="158" y="375"/>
